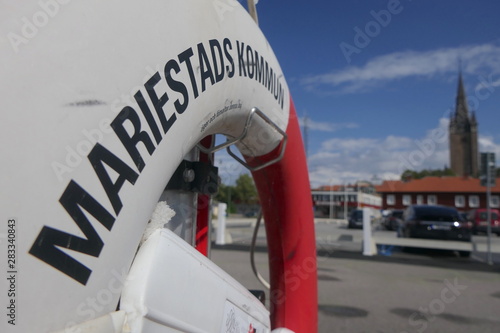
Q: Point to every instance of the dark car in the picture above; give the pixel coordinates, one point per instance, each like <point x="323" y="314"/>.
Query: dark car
<point x="355" y="219"/>
<point x="393" y="219"/>
<point x="432" y="221"/>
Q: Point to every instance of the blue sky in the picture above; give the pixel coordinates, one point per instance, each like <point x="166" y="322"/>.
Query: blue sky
<point x="377" y="79"/>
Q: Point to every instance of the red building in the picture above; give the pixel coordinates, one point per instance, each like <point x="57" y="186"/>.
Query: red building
<point x="464" y="193"/>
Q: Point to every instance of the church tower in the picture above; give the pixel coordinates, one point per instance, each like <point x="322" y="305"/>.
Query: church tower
<point x="463" y="137"/>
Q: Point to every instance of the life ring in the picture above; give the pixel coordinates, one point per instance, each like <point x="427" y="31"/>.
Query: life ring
<point x="101" y="101"/>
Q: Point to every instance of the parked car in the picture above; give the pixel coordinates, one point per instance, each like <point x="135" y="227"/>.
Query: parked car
<point x="437" y="222"/>
<point x="479" y="220"/>
<point x="393" y="219"/>
<point x="355" y="219"/>
<point x="251" y="213"/>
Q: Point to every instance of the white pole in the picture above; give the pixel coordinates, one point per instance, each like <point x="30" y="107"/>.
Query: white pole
<point x="369" y="248"/>
<point x="221" y="224"/>
<point x="253" y="10"/>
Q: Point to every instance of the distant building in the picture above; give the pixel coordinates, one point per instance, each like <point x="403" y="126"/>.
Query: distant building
<point x="463" y="137"/>
<point x="464" y="193"/>
<point x="337" y="201"/>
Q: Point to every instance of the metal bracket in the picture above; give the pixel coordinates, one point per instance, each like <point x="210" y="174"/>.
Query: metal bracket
<point x="243" y="135"/>
<point x="199" y="177"/>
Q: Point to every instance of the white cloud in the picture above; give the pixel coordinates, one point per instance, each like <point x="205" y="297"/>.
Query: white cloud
<point x="399" y="65"/>
<point x="324" y="126"/>
<point x="488" y="145"/>
<point x="397" y="143"/>
<point x="342" y="160"/>
<point x="351" y="159"/>
<point x="352" y="145"/>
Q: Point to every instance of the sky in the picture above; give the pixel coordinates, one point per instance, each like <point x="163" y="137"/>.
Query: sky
<point x="374" y="82"/>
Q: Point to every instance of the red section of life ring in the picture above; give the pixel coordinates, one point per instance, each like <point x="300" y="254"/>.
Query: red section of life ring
<point x="202" y="238"/>
<point x="285" y="195"/>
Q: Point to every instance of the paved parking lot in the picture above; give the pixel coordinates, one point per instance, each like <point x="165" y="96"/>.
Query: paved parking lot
<point x="412" y="290"/>
<point x="334" y="234"/>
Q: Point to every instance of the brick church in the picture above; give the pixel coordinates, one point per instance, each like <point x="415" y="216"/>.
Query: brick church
<point x="464" y="152"/>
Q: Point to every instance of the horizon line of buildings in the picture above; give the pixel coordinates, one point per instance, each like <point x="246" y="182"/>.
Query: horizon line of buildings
<point x="463" y="193"/>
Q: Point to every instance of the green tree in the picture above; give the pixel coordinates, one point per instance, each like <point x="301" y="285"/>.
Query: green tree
<point x="224" y="193"/>
<point x="411" y="174"/>
<point x="408" y="174"/>
<point x="245" y="191"/>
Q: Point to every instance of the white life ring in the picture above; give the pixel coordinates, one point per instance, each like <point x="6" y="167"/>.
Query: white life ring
<point x="100" y="102"/>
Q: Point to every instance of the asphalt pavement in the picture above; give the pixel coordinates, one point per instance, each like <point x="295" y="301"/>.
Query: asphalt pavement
<point x="400" y="289"/>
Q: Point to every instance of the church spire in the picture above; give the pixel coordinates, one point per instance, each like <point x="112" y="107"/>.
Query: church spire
<point x="463" y="136"/>
<point x="461" y="109"/>
<point x="473" y="120"/>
